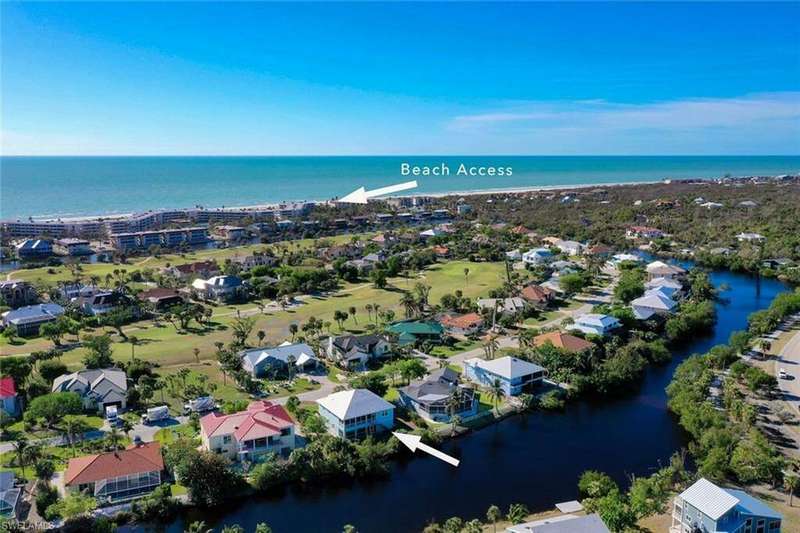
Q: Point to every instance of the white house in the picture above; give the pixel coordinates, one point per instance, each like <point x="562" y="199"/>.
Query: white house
<point x="750" y="237"/>
<point x="660" y="269"/>
<point x="263" y="428"/>
<point x="355" y="414"/>
<point x="570" y="247"/>
<point x="652" y="303"/>
<point x="537" y="256"/>
<point x="668" y="287"/>
<point x="514" y="255"/>
<point x="595" y="324"/>
<point x="503" y="306"/>
<point x="259" y="361"/>
<point x="565" y="523"/>
<point x="514" y="375"/>
<point x="219" y="288"/>
<point x="100" y="388"/>
<point x="623" y="258"/>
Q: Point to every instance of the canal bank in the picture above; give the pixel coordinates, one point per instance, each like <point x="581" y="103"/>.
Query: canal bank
<point x="534" y="459"/>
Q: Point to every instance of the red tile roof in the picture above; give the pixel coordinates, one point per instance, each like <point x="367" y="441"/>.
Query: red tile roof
<point x="441" y="250"/>
<point x="564" y="341"/>
<point x="537" y="293"/>
<point x="261" y="419"/>
<point x="133" y="460"/>
<point x="7" y="387"/>
<point x="462" y="321"/>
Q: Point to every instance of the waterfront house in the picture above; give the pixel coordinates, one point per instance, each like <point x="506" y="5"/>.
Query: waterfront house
<point x="161" y="298"/>
<point x="565" y="523"/>
<point x="9" y="401"/>
<point x="117" y="476"/>
<point x="355" y="414"/>
<point x="617" y="259"/>
<point x="711" y="509"/>
<point x="9" y="495"/>
<point x="263" y="428"/>
<point x="440" y="397"/>
<point x="16" y="293"/>
<point x="199" y="269"/>
<point x="413" y="331"/>
<point x="667" y="286"/>
<point x="537" y="256"/>
<point x="99" y="388"/>
<point x="72" y="246"/>
<point x="354" y="351"/>
<point x="652" y="303"/>
<point x="466" y="324"/>
<point x="563" y="341"/>
<point x="514" y="255"/>
<point x="265" y="361"/>
<point x="28" y="319"/>
<point x="515" y="375"/>
<point x="595" y="324"/>
<point x="538" y="296"/>
<point x="643" y="232"/>
<point x="34" y="248"/>
<point x="219" y="288"/>
<point x="660" y="269"/>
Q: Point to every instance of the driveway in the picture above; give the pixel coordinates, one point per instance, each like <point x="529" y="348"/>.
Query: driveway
<point x="789" y="360"/>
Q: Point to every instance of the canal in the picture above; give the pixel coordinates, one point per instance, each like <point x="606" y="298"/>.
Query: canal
<point x="534" y="459"/>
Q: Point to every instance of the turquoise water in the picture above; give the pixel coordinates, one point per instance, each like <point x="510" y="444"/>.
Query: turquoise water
<point x="74" y="186"/>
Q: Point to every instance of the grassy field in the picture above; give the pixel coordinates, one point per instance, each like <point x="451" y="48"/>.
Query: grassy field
<point x="172" y="350"/>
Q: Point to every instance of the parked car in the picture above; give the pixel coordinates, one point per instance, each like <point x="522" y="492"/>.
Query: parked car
<point x="200" y="405"/>
<point x="154" y="414"/>
<point x="112" y="416"/>
<point x="782" y="374"/>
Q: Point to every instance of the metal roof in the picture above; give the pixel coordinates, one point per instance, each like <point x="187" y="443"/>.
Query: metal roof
<point x="709" y="499"/>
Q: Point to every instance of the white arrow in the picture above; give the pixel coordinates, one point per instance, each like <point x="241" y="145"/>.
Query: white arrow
<point x="361" y="195"/>
<point x="414" y="443"/>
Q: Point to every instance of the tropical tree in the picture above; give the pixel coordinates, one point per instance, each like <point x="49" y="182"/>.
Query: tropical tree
<point x="134" y="341"/>
<point x="293" y="330"/>
<point x="466" y="275"/>
<point x="790" y="483"/>
<point x="494" y="515"/>
<point x="72" y="427"/>
<point x="497" y="394"/>
<point x="198" y="527"/>
<point x="352" y="312"/>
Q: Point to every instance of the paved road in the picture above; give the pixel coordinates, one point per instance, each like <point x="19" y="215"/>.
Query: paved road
<point x="789" y="359"/>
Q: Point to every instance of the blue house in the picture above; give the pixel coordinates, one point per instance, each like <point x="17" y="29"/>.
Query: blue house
<point x="515" y="375"/>
<point x="711" y="509"/>
<point x="356" y="414"/>
<point x="440" y="397"/>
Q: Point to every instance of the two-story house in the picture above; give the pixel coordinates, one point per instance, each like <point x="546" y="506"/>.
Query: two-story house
<point x="263" y="428"/>
<point x="515" y="376"/>
<point x="440" y="397"/>
<point x="356" y="414"/>
<point x="353" y="351"/>
<point x="705" y="507"/>
<point x="99" y="388"/>
<point x="265" y="361"/>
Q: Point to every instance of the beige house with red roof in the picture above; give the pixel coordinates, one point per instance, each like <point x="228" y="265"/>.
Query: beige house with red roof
<point x="467" y="324"/>
<point x="117" y="476"/>
<point x="538" y="296"/>
<point x="564" y="341"/>
<point x="264" y="427"/>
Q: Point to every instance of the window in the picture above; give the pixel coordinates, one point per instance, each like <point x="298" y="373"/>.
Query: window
<point x="226" y="439"/>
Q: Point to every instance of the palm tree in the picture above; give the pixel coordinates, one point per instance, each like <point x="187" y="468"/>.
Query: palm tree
<point x="368" y="307"/>
<point x="490" y="346"/>
<point x="790" y="483"/>
<point x="526" y="337"/>
<point x="493" y="515"/>
<point x="497" y="394"/>
<point x="21" y="446"/>
<point x="290" y="363"/>
<point x="198" y="527"/>
<point x="455" y="420"/>
<point x="72" y="426"/>
<point x="114" y="435"/>
<point x="134" y="340"/>
<point x="352" y="312"/>
<point x="196" y="352"/>
<point x="409" y="304"/>
<point x="293" y="330"/>
<point x="466" y="276"/>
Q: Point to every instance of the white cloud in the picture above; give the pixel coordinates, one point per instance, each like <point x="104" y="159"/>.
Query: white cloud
<point x="756" y="123"/>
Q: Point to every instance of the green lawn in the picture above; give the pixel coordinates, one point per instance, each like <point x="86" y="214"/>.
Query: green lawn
<point x="171" y="434"/>
<point x="172" y="350"/>
<point x="449" y="351"/>
<point x="93" y="422"/>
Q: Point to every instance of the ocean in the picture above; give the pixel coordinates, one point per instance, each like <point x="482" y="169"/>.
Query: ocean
<point x="79" y="186"/>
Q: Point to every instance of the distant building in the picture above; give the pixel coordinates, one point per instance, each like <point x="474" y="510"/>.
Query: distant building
<point x="595" y="324"/>
<point x="117" y="476"/>
<point x="354" y="351"/>
<point x="72" y="246"/>
<point x="504" y="306"/>
<point x="263" y="428"/>
<point x="28" y="319"/>
<point x="34" y="248"/>
<point x="564" y="341"/>
<point x="356" y="414"/>
<point x="101" y="303"/>
<point x="643" y="232"/>
<point x="251" y="261"/>
<point x="514" y="375"/>
<point x="219" y="288"/>
<point x="660" y="269"/>
<point x="538" y="296"/>
<point x="200" y="269"/>
<point x="263" y="361"/>
<point x="711" y="509"/>
<point x="412" y="331"/>
<point x="231" y="233"/>
<point x="99" y="388"/>
<point x="161" y="298"/>
<point x="750" y="237"/>
<point x="440" y="397"/>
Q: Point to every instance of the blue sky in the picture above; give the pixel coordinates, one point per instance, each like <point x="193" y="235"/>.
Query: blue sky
<point x="264" y="78"/>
